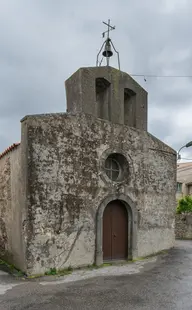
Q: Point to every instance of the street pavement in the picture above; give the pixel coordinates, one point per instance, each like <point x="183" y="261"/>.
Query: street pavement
<point x="163" y="282"/>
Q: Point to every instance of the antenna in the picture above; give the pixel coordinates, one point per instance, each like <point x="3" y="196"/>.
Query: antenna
<point x="107" y="53"/>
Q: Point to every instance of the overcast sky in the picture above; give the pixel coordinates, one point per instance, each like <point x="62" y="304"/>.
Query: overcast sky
<point x="42" y="42"/>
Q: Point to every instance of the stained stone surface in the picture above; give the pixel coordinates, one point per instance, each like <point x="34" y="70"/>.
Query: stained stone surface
<point x="54" y="188"/>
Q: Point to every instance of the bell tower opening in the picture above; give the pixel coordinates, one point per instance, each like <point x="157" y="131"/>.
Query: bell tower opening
<point x="102" y="87"/>
<point x="129" y="107"/>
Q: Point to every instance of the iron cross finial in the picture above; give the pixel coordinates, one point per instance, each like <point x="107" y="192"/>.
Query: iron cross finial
<point x="107" y="53"/>
<point x="109" y="28"/>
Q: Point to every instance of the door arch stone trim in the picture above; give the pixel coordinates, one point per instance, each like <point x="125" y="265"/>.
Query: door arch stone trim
<point x="132" y="226"/>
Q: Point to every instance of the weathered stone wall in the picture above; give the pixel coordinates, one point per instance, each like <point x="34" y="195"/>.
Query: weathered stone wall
<point x="66" y="187"/>
<point x="17" y="209"/>
<point x="5" y="207"/>
<point x="157" y="219"/>
<point x="183" y="226"/>
<point x="10" y="208"/>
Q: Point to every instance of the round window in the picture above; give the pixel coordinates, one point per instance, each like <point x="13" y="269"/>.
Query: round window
<point x="112" y="168"/>
<point x="116" y="167"/>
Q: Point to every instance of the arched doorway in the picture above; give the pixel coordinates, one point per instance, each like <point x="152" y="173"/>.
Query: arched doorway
<point x="115" y="231"/>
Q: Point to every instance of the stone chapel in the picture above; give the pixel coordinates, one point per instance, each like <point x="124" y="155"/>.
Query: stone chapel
<point x="90" y="185"/>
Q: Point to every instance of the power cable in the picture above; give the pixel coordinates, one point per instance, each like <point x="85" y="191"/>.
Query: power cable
<point x="161" y="76"/>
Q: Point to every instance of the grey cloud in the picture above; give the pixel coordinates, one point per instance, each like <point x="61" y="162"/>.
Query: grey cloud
<point x="44" y="42"/>
<point x="165" y="127"/>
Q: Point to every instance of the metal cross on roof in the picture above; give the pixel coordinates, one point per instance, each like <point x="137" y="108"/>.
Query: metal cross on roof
<point x="107" y="53"/>
<point x="110" y="28"/>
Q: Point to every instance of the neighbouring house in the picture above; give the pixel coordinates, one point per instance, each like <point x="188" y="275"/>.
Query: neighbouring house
<point x="183" y="226"/>
<point x="90" y="185"/>
<point x="184" y="180"/>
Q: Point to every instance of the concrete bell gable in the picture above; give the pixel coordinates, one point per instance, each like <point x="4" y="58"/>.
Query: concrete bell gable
<point x="107" y="93"/>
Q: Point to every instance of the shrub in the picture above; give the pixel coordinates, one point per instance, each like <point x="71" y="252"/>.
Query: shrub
<point x="51" y="272"/>
<point x="184" y="205"/>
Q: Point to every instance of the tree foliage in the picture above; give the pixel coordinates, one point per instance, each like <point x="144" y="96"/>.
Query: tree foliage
<point x="184" y="205"/>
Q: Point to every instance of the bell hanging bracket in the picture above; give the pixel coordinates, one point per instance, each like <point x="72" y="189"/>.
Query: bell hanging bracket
<point x="107" y="44"/>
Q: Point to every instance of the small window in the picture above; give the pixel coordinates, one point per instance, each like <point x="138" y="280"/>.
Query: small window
<point x="112" y="168"/>
<point x="190" y="189"/>
<point x="116" y="167"/>
<point x="179" y="187"/>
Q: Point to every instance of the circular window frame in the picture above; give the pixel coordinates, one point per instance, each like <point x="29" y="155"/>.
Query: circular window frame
<point x="127" y="174"/>
<point x="110" y="170"/>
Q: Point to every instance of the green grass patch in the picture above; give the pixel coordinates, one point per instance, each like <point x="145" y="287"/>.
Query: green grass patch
<point x="94" y="266"/>
<point x="107" y="264"/>
<point x="63" y="272"/>
<point x="35" y="276"/>
<point x="59" y="272"/>
<point x="5" y="266"/>
<point x="149" y="256"/>
<point x="51" y="272"/>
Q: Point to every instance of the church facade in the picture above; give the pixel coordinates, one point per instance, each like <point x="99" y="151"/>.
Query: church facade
<point x="89" y="185"/>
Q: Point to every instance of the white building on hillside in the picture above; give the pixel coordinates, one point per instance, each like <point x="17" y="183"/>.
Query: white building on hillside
<point x="184" y="179"/>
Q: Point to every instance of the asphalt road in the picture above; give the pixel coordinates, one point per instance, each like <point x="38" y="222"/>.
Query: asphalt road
<point x="164" y="284"/>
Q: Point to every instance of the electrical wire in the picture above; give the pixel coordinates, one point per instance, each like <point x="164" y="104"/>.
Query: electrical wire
<point x="161" y="76"/>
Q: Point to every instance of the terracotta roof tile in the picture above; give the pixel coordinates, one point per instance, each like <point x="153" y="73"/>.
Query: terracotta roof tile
<point x="9" y="149"/>
<point x="185" y="164"/>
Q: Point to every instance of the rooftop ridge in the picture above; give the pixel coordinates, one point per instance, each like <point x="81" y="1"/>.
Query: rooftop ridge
<point x="9" y="149"/>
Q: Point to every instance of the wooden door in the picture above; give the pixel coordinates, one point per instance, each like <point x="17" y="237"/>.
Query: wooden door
<point x="115" y="231"/>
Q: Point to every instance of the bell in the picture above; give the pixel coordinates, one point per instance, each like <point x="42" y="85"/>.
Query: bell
<point x="107" y="51"/>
